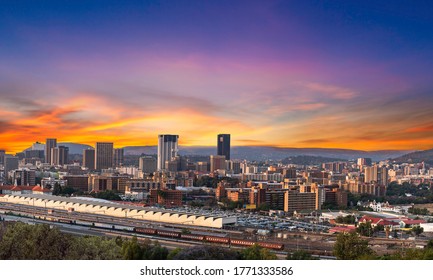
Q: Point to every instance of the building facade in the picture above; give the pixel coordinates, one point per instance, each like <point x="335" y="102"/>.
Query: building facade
<point x="167" y="149"/>
<point x="223" y="142"/>
<point x="89" y="158"/>
<point x="49" y="144"/>
<point x="103" y="155"/>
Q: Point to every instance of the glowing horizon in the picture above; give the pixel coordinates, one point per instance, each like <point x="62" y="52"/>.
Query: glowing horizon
<point x="270" y="73"/>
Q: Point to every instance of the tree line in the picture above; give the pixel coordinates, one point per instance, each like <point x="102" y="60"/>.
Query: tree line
<point x="350" y="246"/>
<point x="19" y="241"/>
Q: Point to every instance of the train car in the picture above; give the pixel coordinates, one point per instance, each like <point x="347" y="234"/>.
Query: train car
<point x="64" y="221"/>
<point x="239" y="242"/>
<point x="149" y="231"/>
<point x="272" y="246"/>
<point x="216" y="239"/>
<point x="168" y="233"/>
<point x="84" y="223"/>
<point x="124" y="228"/>
<point x="103" y="225"/>
<point x="192" y="237"/>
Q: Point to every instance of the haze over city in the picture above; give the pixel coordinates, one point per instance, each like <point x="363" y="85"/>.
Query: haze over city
<point x="332" y="74"/>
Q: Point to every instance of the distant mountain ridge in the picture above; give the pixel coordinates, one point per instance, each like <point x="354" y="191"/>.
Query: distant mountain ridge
<point x="416" y="157"/>
<point x="274" y="153"/>
<point x="74" y="148"/>
<point x="256" y="152"/>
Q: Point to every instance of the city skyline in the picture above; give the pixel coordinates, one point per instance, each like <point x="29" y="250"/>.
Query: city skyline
<point x="330" y="74"/>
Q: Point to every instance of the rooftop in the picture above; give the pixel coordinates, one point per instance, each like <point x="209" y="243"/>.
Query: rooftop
<point x="98" y="202"/>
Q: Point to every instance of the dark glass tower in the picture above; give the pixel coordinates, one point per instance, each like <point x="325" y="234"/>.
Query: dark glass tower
<point x="224" y="145"/>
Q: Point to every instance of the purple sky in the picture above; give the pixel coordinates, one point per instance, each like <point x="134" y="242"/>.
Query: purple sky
<point x="283" y="73"/>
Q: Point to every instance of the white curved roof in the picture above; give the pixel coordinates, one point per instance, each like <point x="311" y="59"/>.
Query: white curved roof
<point x="93" y="199"/>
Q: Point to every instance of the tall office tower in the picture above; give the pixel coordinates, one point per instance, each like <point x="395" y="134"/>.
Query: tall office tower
<point x="147" y="164"/>
<point x="89" y="158"/>
<point x="2" y="156"/>
<point x="24" y="177"/>
<point x="10" y="163"/>
<point x="118" y="157"/>
<point x="54" y="156"/>
<point x="382" y="176"/>
<point x="50" y="143"/>
<point x="289" y="173"/>
<point x="224" y="145"/>
<point x="376" y="174"/>
<point x="364" y="162"/>
<point x="59" y="155"/>
<point x="103" y="155"/>
<point x="167" y="149"/>
<point x="217" y="162"/>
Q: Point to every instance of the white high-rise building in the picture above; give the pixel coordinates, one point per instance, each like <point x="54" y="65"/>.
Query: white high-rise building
<point x="167" y="149"/>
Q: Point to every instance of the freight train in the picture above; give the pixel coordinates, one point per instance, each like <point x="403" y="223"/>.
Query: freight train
<point x="176" y="235"/>
<point x="208" y="238"/>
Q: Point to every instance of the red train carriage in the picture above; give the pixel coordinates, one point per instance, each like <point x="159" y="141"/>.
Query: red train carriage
<point x="150" y="231"/>
<point x="239" y="242"/>
<point x="168" y="233"/>
<point x="216" y="239"/>
<point x="272" y="246"/>
<point x="192" y="237"/>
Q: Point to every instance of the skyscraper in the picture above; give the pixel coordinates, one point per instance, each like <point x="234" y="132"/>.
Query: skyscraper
<point x="89" y="158"/>
<point x="167" y="149"/>
<point x="24" y="177"/>
<point x="2" y="156"/>
<point x="224" y="145"/>
<point x="10" y="163"/>
<point x="103" y="155"/>
<point x="59" y="155"/>
<point x="118" y="157"/>
<point x="217" y="163"/>
<point x="50" y="143"/>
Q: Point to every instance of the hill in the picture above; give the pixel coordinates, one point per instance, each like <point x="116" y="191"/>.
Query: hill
<point x="309" y="160"/>
<point x="74" y="148"/>
<point x="274" y="153"/>
<point x="416" y="157"/>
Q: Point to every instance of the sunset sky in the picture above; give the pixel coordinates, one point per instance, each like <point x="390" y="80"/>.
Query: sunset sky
<point x="336" y="74"/>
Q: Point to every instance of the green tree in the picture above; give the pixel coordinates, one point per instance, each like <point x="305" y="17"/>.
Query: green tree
<point x="131" y="250"/>
<point x="350" y="219"/>
<point x="349" y="246"/>
<point x="300" y="255"/>
<point x="256" y="252"/>
<point x="57" y="189"/>
<point x="173" y="253"/>
<point x="378" y="228"/>
<point x="365" y="229"/>
<point x="108" y="194"/>
<point x="417" y="230"/>
<point x="134" y="250"/>
<point x="429" y="244"/>
<point x="157" y="252"/>
<point x="207" y="252"/>
<point x="94" y="248"/>
<point x="33" y="242"/>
